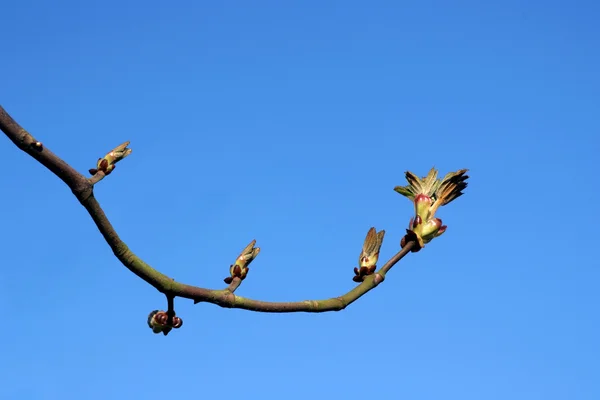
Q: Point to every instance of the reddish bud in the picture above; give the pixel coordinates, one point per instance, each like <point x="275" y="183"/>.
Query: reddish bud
<point x="417" y="221"/>
<point x="441" y="230"/>
<point x="422" y="198"/>
<point x="177" y="322"/>
<point x="161" y="317"/>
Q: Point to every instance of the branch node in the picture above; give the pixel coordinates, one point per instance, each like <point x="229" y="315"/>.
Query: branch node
<point x="378" y="278"/>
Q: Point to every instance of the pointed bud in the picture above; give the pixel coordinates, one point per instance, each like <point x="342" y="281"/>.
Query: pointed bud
<point x="240" y="268"/>
<point x="367" y="260"/>
<point x="107" y="163"/>
<point x="118" y="153"/>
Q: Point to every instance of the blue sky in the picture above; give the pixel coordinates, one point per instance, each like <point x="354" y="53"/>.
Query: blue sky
<point x="291" y="122"/>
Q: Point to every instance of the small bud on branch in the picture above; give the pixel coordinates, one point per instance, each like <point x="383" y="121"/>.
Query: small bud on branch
<point x="107" y="163"/>
<point x="37" y="146"/>
<point x="158" y="321"/>
<point x="369" y="255"/>
<point x="240" y="268"/>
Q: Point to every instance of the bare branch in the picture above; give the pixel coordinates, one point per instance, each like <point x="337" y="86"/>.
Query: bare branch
<point x="82" y="188"/>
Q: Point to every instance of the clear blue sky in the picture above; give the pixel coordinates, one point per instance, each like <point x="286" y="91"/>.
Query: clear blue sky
<point x="291" y="122"/>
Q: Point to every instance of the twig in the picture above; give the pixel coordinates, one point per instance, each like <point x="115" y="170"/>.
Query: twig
<point x="82" y="188"/>
<point x="97" y="177"/>
<point x="170" y="309"/>
<point x="235" y="283"/>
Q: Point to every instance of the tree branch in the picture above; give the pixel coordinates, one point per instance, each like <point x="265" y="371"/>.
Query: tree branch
<point x="82" y="188"/>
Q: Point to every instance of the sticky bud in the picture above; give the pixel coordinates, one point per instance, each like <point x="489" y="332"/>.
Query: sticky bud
<point x="158" y="321"/>
<point x="369" y="255"/>
<point x="240" y="268"/>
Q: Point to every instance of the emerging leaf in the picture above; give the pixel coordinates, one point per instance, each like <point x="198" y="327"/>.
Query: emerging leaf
<point x="428" y="194"/>
<point x="367" y="260"/>
<point x="107" y="163"/>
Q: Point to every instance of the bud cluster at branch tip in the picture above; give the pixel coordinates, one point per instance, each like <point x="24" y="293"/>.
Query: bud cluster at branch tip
<point x="158" y="321"/>
<point x="428" y="194"/>
<point x="107" y="164"/>
<point x="240" y="268"/>
<point x="369" y="255"/>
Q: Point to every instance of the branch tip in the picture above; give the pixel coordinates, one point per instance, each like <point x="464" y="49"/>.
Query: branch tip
<point x="428" y="194"/>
